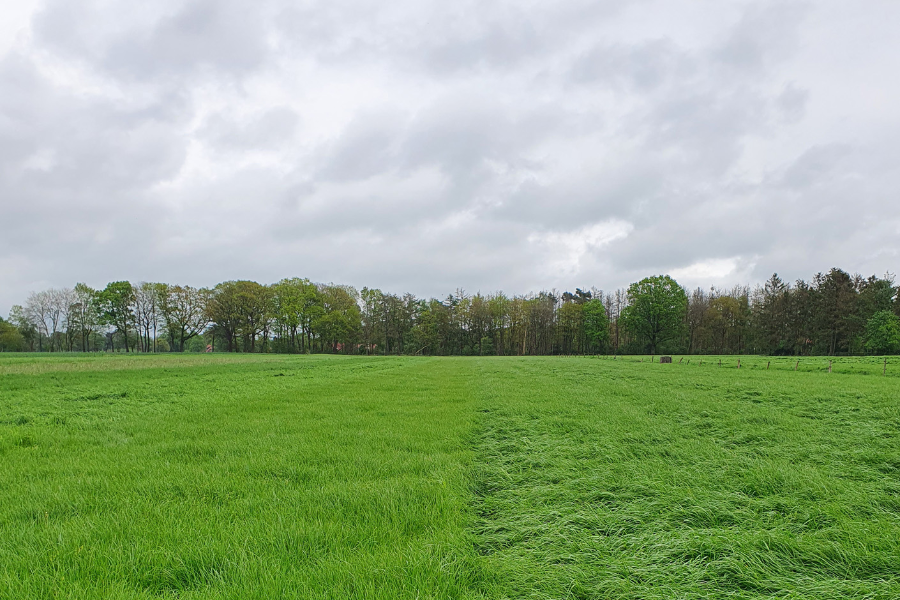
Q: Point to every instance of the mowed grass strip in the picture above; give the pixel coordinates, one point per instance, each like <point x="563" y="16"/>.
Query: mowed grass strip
<point x="620" y="479"/>
<point x="211" y="477"/>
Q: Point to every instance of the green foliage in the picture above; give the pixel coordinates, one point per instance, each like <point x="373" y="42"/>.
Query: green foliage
<point x="27" y="329"/>
<point x="114" y="305"/>
<point x="196" y="344"/>
<point x="297" y="305"/>
<point x="875" y="295"/>
<point x="240" y="311"/>
<point x="338" y="324"/>
<point x="184" y="311"/>
<point x="596" y="326"/>
<point x="655" y="311"/>
<point x="834" y="302"/>
<point x="11" y="339"/>
<point x="84" y="316"/>
<point x="883" y="333"/>
<point x="726" y="325"/>
<point x="826" y="316"/>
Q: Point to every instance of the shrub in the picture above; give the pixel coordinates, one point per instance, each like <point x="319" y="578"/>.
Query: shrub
<point x="883" y="333"/>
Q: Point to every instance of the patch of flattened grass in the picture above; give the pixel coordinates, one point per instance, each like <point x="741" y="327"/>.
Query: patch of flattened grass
<point x="699" y="483"/>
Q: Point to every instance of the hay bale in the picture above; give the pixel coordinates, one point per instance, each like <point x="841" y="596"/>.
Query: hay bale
<point x="665" y="359"/>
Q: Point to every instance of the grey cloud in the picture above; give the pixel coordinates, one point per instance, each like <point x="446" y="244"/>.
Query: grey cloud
<point x="825" y="217"/>
<point x="458" y="136"/>
<point x="439" y="39"/>
<point x="766" y="33"/>
<point x="74" y="169"/>
<point x="817" y="165"/>
<point x="223" y="35"/>
<point x="270" y="129"/>
<point x="173" y="39"/>
<point x="686" y="109"/>
<point x="426" y="146"/>
<point x="643" y="67"/>
<point x="618" y="191"/>
<point x="367" y="147"/>
<point x="504" y="41"/>
<point x="507" y="35"/>
<point x="461" y="132"/>
<point x="792" y="103"/>
<point x="705" y="129"/>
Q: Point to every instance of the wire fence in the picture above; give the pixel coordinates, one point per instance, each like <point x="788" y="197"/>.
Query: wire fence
<point x="851" y="365"/>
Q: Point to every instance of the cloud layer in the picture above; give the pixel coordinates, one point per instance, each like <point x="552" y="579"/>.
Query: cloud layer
<point x="424" y="146"/>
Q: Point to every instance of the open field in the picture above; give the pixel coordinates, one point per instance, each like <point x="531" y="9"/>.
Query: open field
<point x="216" y="476"/>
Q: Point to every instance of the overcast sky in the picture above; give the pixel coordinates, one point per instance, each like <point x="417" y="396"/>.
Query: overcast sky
<point x="428" y="145"/>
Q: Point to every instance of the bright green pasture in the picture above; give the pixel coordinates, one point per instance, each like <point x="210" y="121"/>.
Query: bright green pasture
<point x="219" y="476"/>
<point x="849" y="365"/>
<point x="235" y="477"/>
<point x="621" y="479"/>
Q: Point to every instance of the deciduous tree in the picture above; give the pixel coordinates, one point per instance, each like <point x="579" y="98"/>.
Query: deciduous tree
<point x="184" y="311"/>
<point x="116" y="307"/>
<point x="596" y="326"/>
<point x="655" y="311"/>
<point x="883" y="333"/>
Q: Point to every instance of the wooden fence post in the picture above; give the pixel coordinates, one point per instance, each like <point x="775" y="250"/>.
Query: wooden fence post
<point x="680" y="359"/>
<point x="797" y="365"/>
<point x="829" y="366"/>
<point x="884" y="370"/>
<point x="767" y="365"/>
<point x="739" y="363"/>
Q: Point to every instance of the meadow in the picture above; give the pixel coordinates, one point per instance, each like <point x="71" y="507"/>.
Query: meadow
<point x="255" y="476"/>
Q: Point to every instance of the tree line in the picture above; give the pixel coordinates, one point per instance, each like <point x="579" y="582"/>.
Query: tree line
<point x="834" y="313"/>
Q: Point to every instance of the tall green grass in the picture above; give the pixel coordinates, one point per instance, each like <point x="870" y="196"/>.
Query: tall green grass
<point x="210" y="478"/>
<point x="623" y="479"/>
<point x="328" y="477"/>
<point x="848" y="365"/>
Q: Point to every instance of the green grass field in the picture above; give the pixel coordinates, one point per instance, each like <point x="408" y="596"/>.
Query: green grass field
<point x="217" y="476"/>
